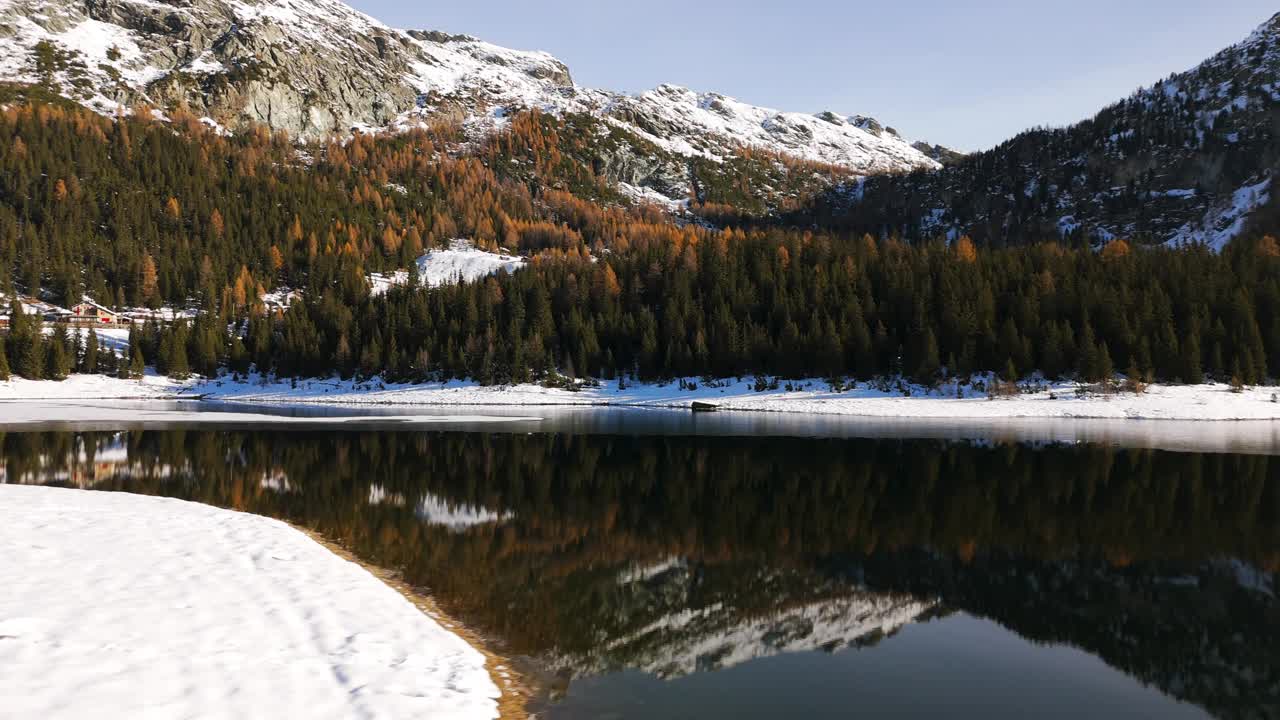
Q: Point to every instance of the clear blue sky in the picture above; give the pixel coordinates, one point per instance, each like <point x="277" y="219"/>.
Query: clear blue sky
<point x="968" y="77"/>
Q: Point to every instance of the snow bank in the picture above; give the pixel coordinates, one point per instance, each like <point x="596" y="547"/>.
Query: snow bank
<point x="814" y="397"/>
<point x="92" y="387"/>
<point x="810" y="397"/>
<point x="127" y="606"/>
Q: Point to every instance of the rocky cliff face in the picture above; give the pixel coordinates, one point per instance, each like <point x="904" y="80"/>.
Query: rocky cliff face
<point x="316" y="67"/>
<point x="306" y="67"/>
<point x="941" y="153"/>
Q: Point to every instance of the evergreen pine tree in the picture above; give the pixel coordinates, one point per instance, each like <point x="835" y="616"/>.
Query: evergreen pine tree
<point x="1010" y="371"/>
<point x="89" y="365"/>
<point x="77" y="352"/>
<point x="1010" y="343"/>
<point x="137" y="367"/>
<point x="174" y="351"/>
<point x="238" y="357"/>
<point x="178" y="366"/>
<point x="927" y="371"/>
<point x="4" y="364"/>
<point x="1191" y="372"/>
<point x="1087" y="354"/>
<point x="1106" y="370"/>
<point x="58" y="358"/>
<point x="107" y="361"/>
<point x="1051" y="360"/>
<point x="31" y="357"/>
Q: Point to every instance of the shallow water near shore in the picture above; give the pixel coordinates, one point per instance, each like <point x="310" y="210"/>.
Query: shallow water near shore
<point x="1244" y="436"/>
<point x="657" y="563"/>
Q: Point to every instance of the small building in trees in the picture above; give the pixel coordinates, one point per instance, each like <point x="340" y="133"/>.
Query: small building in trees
<point x="88" y="312"/>
<point x="47" y="312"/>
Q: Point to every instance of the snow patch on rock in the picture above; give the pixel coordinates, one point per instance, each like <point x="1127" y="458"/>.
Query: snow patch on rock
<point x="1225" y="220"/>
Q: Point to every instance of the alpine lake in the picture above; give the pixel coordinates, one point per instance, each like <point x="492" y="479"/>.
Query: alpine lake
<point x="660" y="564"/>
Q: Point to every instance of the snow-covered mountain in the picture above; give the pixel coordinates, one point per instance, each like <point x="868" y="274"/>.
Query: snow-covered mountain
<point x="689" y="123"/>
<point x="314" y="67"/>
<point x="1186" y="160"/>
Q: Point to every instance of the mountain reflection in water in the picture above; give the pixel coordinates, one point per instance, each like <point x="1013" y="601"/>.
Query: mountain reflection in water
<point x="675" y="555"/>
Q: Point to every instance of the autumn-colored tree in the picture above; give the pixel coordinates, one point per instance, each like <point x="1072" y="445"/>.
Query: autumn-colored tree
<point x="148" y="282"/>
<point x="784" y="257"/>
<point x="869" y="246"/>
<point x="1116" y="250"/>
<point x="217" y="226"/>
<point x="390" y="241"/>
<point x="965" y="250"/>
<point x="242" y="290"/>
<point x="413" y="242"/>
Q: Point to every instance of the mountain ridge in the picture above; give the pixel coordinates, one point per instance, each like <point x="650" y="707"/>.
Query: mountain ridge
<point x="317" y="68"/>
<point x="1186" y="160"/>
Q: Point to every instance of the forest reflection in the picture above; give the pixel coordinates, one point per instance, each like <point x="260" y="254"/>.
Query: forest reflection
<point x="595" y="553"/>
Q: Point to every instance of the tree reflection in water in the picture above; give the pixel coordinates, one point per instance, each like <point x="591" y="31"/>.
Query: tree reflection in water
<point x="675" y="555"/>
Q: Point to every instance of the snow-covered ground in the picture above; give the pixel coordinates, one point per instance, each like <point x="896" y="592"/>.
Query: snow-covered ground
<point x="460" y="261"/>
<point x="109" y="338"/>
<point x="812" y="397"/>
<point x="125" y="606"/>
<point x="1059" y="400"/>
<point x="91" y="387"/>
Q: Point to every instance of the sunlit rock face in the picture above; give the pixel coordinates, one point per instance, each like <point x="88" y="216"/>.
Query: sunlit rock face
<point x="318" y="67"/>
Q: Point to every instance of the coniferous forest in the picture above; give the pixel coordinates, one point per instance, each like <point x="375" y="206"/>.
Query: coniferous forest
<point x="139" y="212"/>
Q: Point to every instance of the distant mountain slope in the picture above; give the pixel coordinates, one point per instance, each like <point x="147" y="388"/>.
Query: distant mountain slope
<point x="315" y="67"/>
<point x="1183" y="161"/>
<point x="690" y="123"/>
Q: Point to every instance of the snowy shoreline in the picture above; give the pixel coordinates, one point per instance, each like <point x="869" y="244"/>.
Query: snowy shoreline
<point x="901" y="401"/>
<point x="120" y="605"/>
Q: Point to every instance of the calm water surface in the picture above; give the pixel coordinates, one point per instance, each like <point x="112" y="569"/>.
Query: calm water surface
<point x="654" y="568"/>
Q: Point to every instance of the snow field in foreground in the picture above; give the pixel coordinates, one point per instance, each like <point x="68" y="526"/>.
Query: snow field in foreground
<point x="126" y="606"/>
